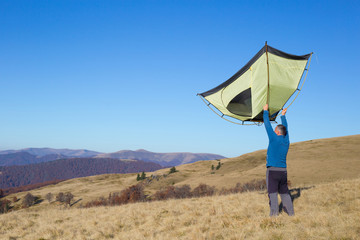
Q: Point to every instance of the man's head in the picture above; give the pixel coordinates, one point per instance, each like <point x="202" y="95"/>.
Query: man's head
<point x="280" y="130"/>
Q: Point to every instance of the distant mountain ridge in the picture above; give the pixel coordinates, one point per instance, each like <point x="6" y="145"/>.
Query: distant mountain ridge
<point x="164" y="159"/>
<point x="49" y="151"/>
<point x="37" y="155"/>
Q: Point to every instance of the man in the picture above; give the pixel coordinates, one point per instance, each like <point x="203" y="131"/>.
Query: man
<point x="276" y="174"/>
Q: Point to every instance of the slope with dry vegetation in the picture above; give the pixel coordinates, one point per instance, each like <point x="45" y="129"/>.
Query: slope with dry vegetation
<point x="325" y="211"/>
<point x="310" y="162"/>
<point x="330" y="210"/>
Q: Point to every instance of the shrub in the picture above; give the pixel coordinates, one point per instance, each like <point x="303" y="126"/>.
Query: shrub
<point x="64" y="197"/>
<point x="68" y="197"/>
<point x="141" y="177"/>
<point x="1" y="193"/>
<point x="172" y="170"/>
<point x="96" y="203"/>
<point x="114" y="199"/>
<point x="49" y="197"/>
<point x="203" y="190"/>
<point x="225" y="191"/>
<point x="255" y="185"/>
<point x="135" y="193"/>
<point x="167" y="193"/>
<point x="4" y="206"/>
<point x="60" y="197"/>
<point x="28" y="200"/>
<point x="218" y="166"/>
<point x="173" y="192"/>
<point x="183" y="192"/>
<point x="132" y="194"/>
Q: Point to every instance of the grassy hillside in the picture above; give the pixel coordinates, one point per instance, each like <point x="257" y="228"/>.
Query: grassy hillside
<point x="328" y="206"/>
<point x="310" y="162"/>
<point x="325" y="211"/>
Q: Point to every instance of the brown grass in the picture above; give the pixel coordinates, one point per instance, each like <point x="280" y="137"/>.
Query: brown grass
<point x="326" y="211"/>
<point x="310" y="162"/>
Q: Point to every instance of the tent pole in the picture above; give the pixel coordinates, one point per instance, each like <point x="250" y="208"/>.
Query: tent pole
<point x="268" y="77"/>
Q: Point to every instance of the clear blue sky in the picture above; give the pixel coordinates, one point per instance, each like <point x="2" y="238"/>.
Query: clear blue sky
<point x="114" y="75"/>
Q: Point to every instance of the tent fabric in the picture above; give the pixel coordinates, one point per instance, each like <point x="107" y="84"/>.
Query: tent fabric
<point x="271" y="75"/>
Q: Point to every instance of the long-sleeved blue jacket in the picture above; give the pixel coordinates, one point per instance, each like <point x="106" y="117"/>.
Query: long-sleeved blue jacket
<point x="278" y="145"/>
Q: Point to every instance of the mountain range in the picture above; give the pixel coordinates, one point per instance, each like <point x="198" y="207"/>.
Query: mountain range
<point x="40" y="152"/>
<point x="17" y="176"/>
<point x="164" y="159"/>
<point x="38" y="155"/>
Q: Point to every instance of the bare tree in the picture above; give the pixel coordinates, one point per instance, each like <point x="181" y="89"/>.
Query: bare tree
<point x="28" y="200"/>
<point x="68" y="197"/>
<point x="49" y="197"/>
<point x="60" y="197"/>
<point x="4" y="206"/>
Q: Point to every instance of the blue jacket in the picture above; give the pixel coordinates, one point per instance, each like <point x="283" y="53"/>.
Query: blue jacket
<point x="278" y="145"/>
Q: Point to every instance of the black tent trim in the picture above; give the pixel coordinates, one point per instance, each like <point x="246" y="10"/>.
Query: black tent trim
<point x="251" y="62"/>
<point x="238" y="122"/>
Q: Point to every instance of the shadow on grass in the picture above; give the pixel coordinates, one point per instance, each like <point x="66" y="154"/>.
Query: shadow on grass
<point x="75" y="202"/>
<point x="294" y="194"/>
<point x="38" y="201"/>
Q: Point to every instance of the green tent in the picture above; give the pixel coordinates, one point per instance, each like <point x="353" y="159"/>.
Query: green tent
<point x="271" y="76"/>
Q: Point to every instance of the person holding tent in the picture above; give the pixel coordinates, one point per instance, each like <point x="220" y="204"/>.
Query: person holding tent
<point x="276" y="173"/>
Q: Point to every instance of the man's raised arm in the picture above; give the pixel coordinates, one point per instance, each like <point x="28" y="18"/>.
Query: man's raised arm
<point x="283" y="118"/>
<point x="267" y="123"/>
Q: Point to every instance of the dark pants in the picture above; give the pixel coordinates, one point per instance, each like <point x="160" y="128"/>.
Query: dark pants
<point x="276" y="182"/>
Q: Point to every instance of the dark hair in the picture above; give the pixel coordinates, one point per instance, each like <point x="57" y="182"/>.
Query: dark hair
<point x="282" y="129"/>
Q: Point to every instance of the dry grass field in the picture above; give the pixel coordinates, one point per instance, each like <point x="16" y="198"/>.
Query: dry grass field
<point x="325" y="211"/>
<point x="328" y="170"/>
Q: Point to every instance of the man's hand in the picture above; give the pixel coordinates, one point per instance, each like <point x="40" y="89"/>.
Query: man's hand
<point x="266" y="107"/>
<point x="283" y="112"/>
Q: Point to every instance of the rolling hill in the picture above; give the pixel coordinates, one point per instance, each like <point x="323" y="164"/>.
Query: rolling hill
<point x="325" y="174"/>
<point x="310" y="162"/>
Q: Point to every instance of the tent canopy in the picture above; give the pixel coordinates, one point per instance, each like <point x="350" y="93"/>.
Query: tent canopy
<point x="271" y="76"/>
